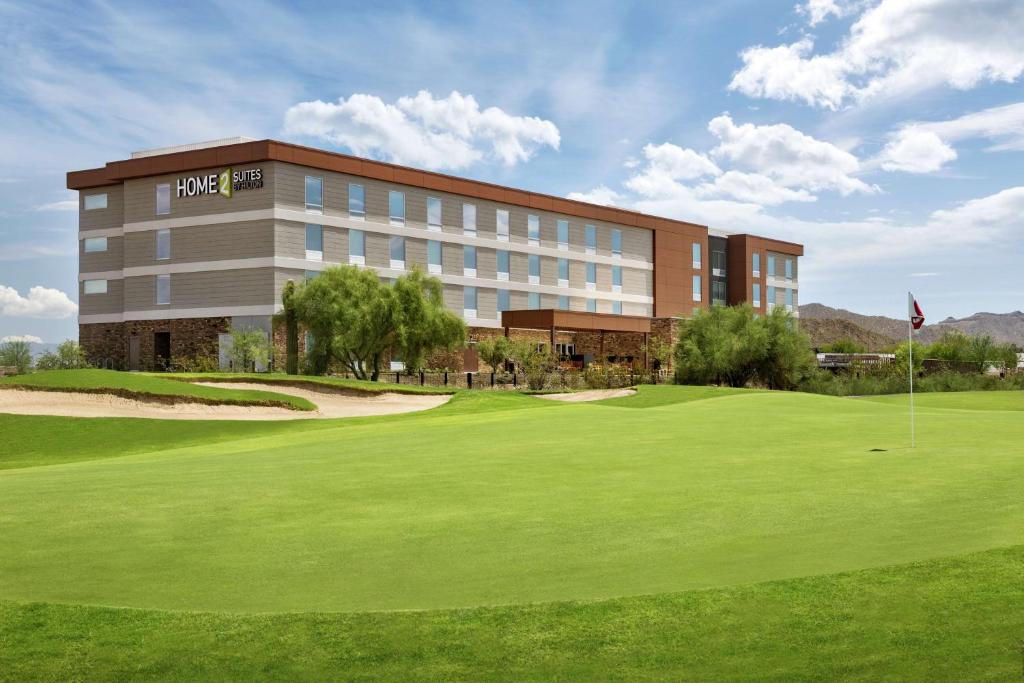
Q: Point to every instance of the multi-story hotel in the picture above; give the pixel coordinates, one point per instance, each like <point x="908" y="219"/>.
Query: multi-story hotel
<point x="180" y="245"/>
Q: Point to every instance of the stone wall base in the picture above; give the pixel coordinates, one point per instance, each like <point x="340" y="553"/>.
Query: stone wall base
<point x="108" y="344"/>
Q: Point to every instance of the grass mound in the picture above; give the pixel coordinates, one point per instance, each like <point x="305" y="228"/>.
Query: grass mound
<point x="652" y="396"/>
<point x="961" y="400"/>
<point x="310" y="381"/>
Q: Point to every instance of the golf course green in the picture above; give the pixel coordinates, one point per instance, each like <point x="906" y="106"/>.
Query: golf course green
<point x="681" y="533"/>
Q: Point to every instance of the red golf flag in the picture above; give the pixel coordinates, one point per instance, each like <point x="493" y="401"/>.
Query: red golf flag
<point x="915" y="312"/>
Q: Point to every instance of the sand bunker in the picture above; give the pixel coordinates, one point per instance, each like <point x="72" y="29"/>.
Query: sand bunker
<point x="591" y="395"/>
<point x="330" y="404"/>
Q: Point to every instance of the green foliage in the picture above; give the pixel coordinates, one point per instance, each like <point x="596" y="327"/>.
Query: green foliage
<point x="844" y="346"/>
<point x="892" y="379"/>
<point x="291" y="328"/>
<point x="535" y="360"/>
<point x="250" y="348"/>
<point x="69" y="356"/>
<point x="902" y="362"/>
<point x="201" y="363"/>
<point x="495" y="352"/>
<point x="659" y="352"/>
<point x="16" y="354"/>
<point x="730" y="345"/>
<point x="956" y="347"/>
<point x="355" y="320"/>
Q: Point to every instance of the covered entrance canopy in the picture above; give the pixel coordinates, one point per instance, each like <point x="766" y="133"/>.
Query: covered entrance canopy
<point x="554" y="320"/>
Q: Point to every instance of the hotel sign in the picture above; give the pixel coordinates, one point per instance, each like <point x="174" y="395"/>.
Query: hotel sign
<point x="225" y="183"/>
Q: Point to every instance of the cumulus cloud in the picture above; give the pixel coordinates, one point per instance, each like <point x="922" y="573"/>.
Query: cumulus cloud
<point x="752" y="187"/>
<point x="439" y="133"/>
<point x="897" y="47"/>
<point x="41" y="302"/>
<point x="602" y="194"/>
<point x="818" y="11"/>
<point x="30" y="338"/>
<point x="915" y="150"/>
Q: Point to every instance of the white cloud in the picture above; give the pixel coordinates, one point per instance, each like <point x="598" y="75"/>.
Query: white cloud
<point x="754" y="188"/>
<point x="30" y="338"/>
<point x="678" y="163"/>
<point x="65" y="205"/>
<point x="916" y="150"/>
<point x="787" y="156"/>
<point x="818" y="11"/>
<point x="602" y="194"/>
<point x="41" y="302"/>
<point x="895" y="48"/>
<point x="446" y="133"/>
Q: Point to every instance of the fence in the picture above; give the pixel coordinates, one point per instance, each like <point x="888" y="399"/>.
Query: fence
<point x="519" y="381"/>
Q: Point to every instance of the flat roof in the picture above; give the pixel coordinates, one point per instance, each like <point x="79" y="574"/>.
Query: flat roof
<point x="574" y="321"/>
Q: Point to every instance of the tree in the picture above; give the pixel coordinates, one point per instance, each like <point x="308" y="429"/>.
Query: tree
<point x="844" y="346"/>
<point x="658" y="351"/>
<point x="16" y="354"/>
<point x="902" y="362"/>
<point x="535" y="360"/>
<point x="355" y="319"/>
<point x="291" y="329"/>
<point x="733" y="346"/>
<point x="495" y="352"/>
<point x="69" y="356"/>
<point x="249" y="348"/>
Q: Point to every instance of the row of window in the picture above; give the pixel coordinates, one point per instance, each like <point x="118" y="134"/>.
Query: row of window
<point x="163" y="288"/>
<point x="787" y="296"/>
<point x="787" y="265"/>
<point x="163" y="244"/>
<point x="314" y="203"/>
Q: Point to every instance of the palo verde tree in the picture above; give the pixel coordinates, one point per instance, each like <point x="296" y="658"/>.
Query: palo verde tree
<point x="355" y="319"/>
<point x="495" y="352"/>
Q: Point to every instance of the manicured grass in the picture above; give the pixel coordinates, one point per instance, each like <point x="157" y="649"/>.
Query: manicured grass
<point x="148" y="387"/>
<point x="654" y="395"/>
<point x="959" y="400"/>
<point x="299" y="380"/>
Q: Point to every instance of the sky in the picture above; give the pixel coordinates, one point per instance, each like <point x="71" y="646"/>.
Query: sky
<point x="887" y="136"/>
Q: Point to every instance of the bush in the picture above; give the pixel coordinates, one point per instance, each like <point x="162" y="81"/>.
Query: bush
<point x="16" y="354"/>
<point x="535" y="361"/>
<point x="249" y="348"/>
<point x="495" y="352"/>
<point x="843" y="346"/>
<point x="69" y="356"/>
<point x="893" y="379"/>
<point x="203" y="363"/>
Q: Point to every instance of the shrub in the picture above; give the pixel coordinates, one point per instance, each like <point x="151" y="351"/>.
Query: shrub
<point x="495" y="352"/>
<point x="535" y="361"/>
<point x="16" y="354"/>
<point x="249" y="348"/>
<point x="68" y="356"/>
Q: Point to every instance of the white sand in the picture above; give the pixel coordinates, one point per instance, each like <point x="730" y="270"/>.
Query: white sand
<point x="330" y="405"/>
<point x="590" y="395"/>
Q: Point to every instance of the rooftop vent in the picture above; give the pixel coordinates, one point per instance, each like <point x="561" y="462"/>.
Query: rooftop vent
<point x="190" y="147"/>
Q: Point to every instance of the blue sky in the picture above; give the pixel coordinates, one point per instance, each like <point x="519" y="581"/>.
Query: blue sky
<point x="888" y="137"/>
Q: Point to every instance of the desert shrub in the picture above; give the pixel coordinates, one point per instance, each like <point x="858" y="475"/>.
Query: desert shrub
<point x="68" y="356"/>
<point x="249" y="347"/>
<point x="16" y="354"/>
<point x="495" y="352"/>
<point x="203" y="363"/>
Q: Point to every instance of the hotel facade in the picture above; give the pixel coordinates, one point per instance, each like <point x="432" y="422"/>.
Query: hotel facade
<point x="180" y="245"/>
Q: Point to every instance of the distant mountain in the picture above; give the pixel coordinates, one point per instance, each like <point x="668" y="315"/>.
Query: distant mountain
<point x="1003" y="327"/>
<point x="824" y="331"/>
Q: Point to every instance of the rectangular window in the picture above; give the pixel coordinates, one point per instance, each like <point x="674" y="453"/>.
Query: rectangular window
<point x="563" y="302"/>
<point x="503" y="261"/>
<point x="563" y="272"/>
<point x="434" y="256"/>
<point x="717" y="293"/>
<point x="771" y="296"/>
<point x="469" y="219"/>
<point x="314" y="242"/>
<point x="98" y="201"/>
<point x="163" y="290"/>
<point x="357" y="247"/>
<point x="310" y="274"/>
<point x="356" y="201"/>
<point x="718" y="263"/>
<point x="789" y="299"/>
<point x="434" y="214"/>
<point x="163" y="199"/>
<point x="94" y="244"/>
<point x="696" y="255"/>
<point x="757" y="264"/>
<point x="591" y="305"/>
<point x="757" y="295"/>
<point x="396" y="244"/>
<point x="534" y="269"/>
<point x="616" y="242"/>
<point x="503" y="300"/>
<point x="533" y="229"/>
<point x="533" y="300"/>
<point x="469" y="302"/>
<point x="590" y="234"/>
<point x="616" y="278"/>
<point x="563" y="234"/>
<point x="95" y="286"/>
<point x="502" y="219"/>
<point x="314" y="194"/>
<point x="771" y="266"/>
<point x="469" y="261"/>
<point x="163" y="244"/>
<point x="789" y="269"/>
<point x="617" y="307"/>
<point x="396" y="207"/>
<point x="591" y="276"/>
<point x="696" y="288"/>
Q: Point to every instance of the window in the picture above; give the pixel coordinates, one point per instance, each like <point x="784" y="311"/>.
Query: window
<point x="503" y="260"/>
<point x="590" y="235"/>
<point x="396" y="245"/>
<point x="696" y="288"/>
<point x="314" y="194"/>
<point x="563" y="272"/>
<point x="757" y="295"/>
<point x="356" y="247"/>
<point x="396" y="208"/>
<point x="718" y="263"/>
<point x="563" y="234"/>
<point x="469" y="219"/>
<point x="533" y="300"/>
<point x="591" y="276"/>
<point x="356" y="201"/>
<point x="469" y="302"/>
<point x="163" y="199"/>
<point x="789" y="269"/>
<point x="310" y="274"/>
<point x="717" y="293"/>
<point x="533" y="229"/>
<point x="563" y="302"/>
<point x="771" y="296"/>
<point x="98" y="201"/>
<point x="617" y="307"/>
<point x="616" y="278"/>
<point x="534" y="269"/>
<point x="771" y="266"/>
<point x="469" y="261"/>
<point x="591" y="305"/>
<point x="757" y="264"/>
<point x="503" y="300"/>
<point x="502" y="218"/>
<point x="434" y="214"/>
<point x="434" y="256"/>
<point x="314" y="242"/>
<point x="696" y="255"/>
<point x="789" y="299"/>
<point x="95" y="286"/>
<point x="616" y="242"/>
<point x="163" y="290"/>
<point x="94" y="244"/>
<point x="163" y="244"/>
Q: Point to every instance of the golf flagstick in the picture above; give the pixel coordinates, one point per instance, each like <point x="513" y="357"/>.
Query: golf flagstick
<point x="915" y="318"/>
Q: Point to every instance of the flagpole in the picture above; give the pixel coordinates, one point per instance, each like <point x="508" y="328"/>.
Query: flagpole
<point x="910" y="356"/>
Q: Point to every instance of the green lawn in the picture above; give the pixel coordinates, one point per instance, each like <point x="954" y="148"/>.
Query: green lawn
<point x="300" y="380"/>
<point x="754" y="535"/>
<point x="957" y="400"/>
